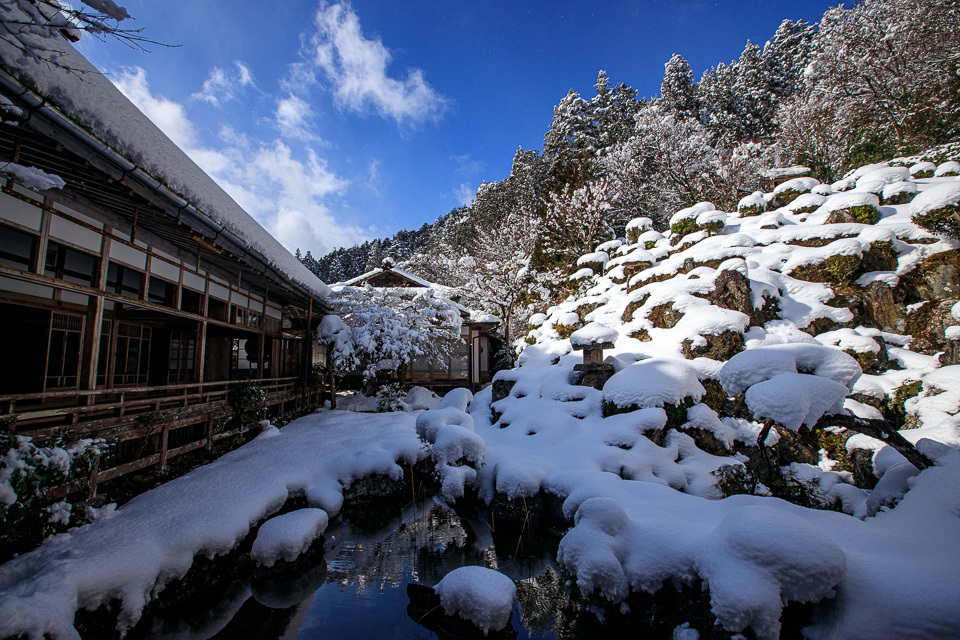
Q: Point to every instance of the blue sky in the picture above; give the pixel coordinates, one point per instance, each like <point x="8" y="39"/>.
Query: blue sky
<point x="333" y="123"/>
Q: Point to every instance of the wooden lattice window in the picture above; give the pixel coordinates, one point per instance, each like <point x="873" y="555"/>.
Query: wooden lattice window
<point x="63" y="351"/>
<point x="132" y="357"/>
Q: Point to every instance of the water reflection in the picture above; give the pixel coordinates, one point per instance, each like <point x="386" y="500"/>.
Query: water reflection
<point x="358" y="588"/>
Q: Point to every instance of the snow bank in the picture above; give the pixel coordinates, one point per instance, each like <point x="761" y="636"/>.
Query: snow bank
<point x="479" y="595"/>
<point x="286" y="537"/>
<point x="154" y="538"/>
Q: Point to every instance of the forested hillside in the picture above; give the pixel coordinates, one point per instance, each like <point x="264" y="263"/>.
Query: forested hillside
<point x="866" y="83"/>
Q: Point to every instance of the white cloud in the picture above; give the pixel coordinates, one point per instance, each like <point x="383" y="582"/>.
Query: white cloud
<point x="284" y="193"/>
<point x="464" y="194"/>
<point x="467" y="165"/>
<point x="292" y="116"/>
<point x="168" y="115"/>
<point x="223" y="86"/>
<point x="373" y="177"/>
<point x="357" y="69"/>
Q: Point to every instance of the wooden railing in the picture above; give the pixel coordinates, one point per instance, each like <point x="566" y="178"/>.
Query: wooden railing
<point x="140" y="413"/>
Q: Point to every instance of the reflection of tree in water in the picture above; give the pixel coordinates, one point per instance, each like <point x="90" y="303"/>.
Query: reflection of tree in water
<point x="545" y="605"/>
<point x="423" y="549"/>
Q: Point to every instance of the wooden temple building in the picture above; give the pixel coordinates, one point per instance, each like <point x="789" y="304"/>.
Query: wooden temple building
<point x="136" y="296"/>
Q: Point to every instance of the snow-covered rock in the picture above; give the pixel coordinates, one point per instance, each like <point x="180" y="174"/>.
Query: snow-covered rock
<point x="287" y="536"/>
<point x="479" y="595"/>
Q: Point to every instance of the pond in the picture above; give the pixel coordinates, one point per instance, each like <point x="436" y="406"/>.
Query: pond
<point x="358" y="587"/>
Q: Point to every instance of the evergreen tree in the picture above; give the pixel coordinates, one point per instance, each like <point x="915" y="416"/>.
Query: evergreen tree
<point x="678" y="91"/>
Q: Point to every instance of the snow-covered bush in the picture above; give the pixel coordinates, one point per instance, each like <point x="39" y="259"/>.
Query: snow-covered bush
<point x="247" y="401"/>
<point x="28" y="472"/>
<point x="938" y="209"/>
<point x="388" y="328"/>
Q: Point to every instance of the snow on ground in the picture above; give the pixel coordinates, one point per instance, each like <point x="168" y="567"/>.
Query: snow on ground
<point x="640" y="488"/>
<point x="747" y="309"/>
<point x="482" y="596"/>
<point x="153" y="539"/>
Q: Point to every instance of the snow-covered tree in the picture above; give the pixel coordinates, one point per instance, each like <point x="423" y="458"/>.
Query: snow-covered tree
<point x="787" y="54"/>
<point x="570" y="129"/>
<point x="892" y="65"/>
<point x="678" y="92"/>
<point x="671" y="162"/>
<point x="388" y="328"/>
<point x="576" y="219"/>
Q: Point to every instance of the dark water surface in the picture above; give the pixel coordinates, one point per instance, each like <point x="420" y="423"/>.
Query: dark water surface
<point x="358" y="589"/>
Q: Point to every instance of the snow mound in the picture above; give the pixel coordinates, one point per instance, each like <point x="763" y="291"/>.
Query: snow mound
<point x="593" y="334"/>
<point x="286" y="537"/>
<point x="886" y="175"/>
<point x="849" y="199"/>
<point x="422" y="398"/>
<point x="479" y="595"/>
<point x="759" y="557"/>
<point x="936" y="197"/>
<point x="795" y="399"/>
<point x="949" y="168"/>
<point x="653" y="383"/>
<point x="459" y="398"/>
<point x="796" y="184"/>
<point x="753" y="366"/>
<point x="691" y="212"/>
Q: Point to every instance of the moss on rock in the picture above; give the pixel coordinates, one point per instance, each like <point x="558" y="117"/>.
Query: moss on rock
<point x="664" y="316"/>
<point x="721" y="346"/>
<point x="684" y="226"/>
<point x="942" y="221"/>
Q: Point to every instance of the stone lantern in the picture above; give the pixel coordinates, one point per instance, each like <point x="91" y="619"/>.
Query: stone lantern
<point x="592" y="340"/>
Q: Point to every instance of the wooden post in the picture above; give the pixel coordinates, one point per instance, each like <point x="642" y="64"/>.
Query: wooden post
<point x="307" y="356"/>
<point x="333" y="384"/>
<point x="210" y="432"/>
<point x="164" y="437"/>
<point x="94" y="471"/>
<point x="94" y="327"/>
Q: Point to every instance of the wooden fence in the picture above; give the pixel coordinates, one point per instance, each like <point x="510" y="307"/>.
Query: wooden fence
<point x="142" y="413"/>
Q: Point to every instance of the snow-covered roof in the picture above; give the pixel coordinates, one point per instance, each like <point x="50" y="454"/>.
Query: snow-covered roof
<point x="363" y="277"/>
<point x="75" y="90"/>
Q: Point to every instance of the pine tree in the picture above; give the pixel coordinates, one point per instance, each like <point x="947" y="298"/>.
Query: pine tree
<point x="678" y="91"/>
<point x="787" y="54"/>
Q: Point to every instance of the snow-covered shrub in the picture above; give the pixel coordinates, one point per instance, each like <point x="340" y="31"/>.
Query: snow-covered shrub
<point x="861" y="206"/>
<point x="752" y="205"/>
<point x="938" y="209"/>
<point x="923" y="170"/>
<point x="390" y="397"/>
<point x="899" y="192"/>
<point x="247" y="401"/>
<point x="806" y="203"/>
<point x="790" y="190"/>
<point x="27" y="472"/>
<point x="949" y="168"/>
<point x="636" y="227"/>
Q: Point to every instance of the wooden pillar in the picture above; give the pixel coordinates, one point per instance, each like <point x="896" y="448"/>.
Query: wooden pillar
<point x="202" y="346"/>
<point x="200" y="354"/>
<point x="93" y="327"/>
<point x="164" y="439"/>
<point x="307" y="354"/>
<point x="333" y="383"/>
